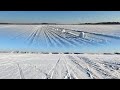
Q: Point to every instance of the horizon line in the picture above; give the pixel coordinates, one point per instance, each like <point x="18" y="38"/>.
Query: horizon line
<point x="107" y="22"/>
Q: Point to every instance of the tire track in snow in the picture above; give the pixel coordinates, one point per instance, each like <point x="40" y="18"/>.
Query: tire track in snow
<point x="60" y="69"/>
<point x="82" y="67"/>
<point x="21" y="72"/>
<point x="51" y="72"/>
<point x="98" y="68"/>
<point x="70" y="70"/>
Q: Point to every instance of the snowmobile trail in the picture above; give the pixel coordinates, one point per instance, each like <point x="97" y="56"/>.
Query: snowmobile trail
<point x="59" y="66"/>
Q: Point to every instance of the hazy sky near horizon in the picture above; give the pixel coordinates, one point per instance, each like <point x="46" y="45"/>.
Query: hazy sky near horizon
<point x="59" y="16"/>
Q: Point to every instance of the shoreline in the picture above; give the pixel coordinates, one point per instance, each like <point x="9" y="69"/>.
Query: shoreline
<point x="51" y="24"/>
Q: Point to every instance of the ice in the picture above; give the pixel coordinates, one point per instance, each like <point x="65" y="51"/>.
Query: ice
<point x="22" y="64"/>
<point x="59" y="66"/>
<point x="66" y="37"/>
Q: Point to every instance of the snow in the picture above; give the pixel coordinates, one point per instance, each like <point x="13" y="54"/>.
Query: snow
<point x="102" y="29"/>
<point x="59" y="66"/>
<point x="66" y="37"/>
<point x="60" y="38"/>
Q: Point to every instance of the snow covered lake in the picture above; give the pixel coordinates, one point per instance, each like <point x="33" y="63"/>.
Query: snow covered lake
<point x="61" y="38"/>
<point x="59" y="66"/>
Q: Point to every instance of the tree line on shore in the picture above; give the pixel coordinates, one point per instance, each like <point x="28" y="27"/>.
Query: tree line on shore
<point x="99" y="23"/>
<point x="27" y="52"/>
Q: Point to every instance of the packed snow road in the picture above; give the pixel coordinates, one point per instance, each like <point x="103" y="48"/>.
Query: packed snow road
<point x="59" y="66"/>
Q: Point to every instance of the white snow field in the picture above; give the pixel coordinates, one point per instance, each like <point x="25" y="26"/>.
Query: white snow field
<point x="75" y="38"/>
<point x="59" y="66"/>
<point x="59" y="38"/>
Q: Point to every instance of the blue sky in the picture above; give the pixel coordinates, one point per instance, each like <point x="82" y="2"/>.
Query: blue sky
<point x="59" y="16"/>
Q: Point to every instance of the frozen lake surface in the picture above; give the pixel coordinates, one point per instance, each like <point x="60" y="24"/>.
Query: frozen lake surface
<point x="59" y="66"/>
<point x="60" y="38"/>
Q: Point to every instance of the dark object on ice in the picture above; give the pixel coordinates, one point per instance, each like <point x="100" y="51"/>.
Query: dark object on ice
<point x="107" y="53"/>
<point x="78" y="53"/>
<point x="117" y="53"/>
<point x="66" y="53"/>
<point x="55" y="53"/>
<point x="45" y="52"/>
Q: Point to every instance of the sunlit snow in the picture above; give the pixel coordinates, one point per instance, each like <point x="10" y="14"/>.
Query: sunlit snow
<point x="61" y="38"/>
<point x="59" y="66"/>
<point x="25" y="45"/>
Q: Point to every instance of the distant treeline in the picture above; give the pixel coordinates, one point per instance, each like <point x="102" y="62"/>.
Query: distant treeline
<point x="28" y="52"/>
<point x="29" y="23"/>
<point x="99" y="23"/>
<point x="103" y="23"/>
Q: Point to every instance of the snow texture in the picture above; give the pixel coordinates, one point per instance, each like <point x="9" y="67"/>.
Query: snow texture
<point x="59" y="66"/>
<point x="63" y="36"/>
